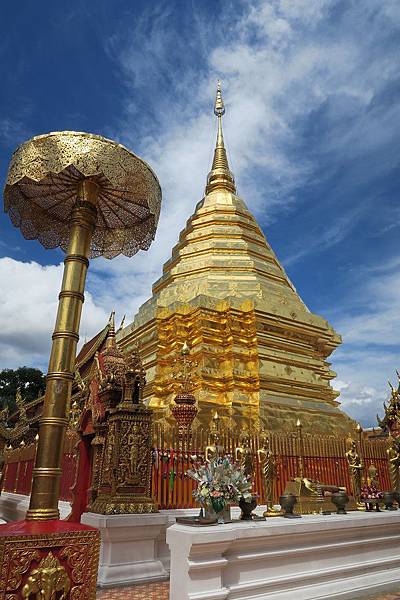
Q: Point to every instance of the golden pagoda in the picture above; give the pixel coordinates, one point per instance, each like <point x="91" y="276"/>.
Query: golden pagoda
<point x="261" y="354"/>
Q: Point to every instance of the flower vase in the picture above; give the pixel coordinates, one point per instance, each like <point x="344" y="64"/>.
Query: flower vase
<point x="218" y="504"/>
<point x="223" y="517"/>
<point x="209" y="513"/>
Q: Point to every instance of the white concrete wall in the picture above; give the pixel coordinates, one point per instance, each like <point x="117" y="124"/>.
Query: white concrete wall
<point x="332" y="556"/>
<point x="13" y="507"/>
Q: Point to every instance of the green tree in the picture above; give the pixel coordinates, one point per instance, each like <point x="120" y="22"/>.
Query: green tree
<point x="31" y="381"/>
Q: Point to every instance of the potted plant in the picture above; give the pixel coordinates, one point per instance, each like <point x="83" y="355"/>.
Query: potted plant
<point x="221" y="482"/>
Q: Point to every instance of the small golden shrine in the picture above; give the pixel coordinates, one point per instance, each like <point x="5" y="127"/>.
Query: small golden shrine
<point x="261" y="354"/>
<point x="111" y="408"/>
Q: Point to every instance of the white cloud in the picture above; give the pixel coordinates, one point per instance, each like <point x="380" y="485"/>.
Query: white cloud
<point x="369" y="355"/>
<point x="28" y="306"/>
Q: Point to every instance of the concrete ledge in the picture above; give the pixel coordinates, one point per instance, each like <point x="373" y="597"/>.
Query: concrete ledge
<point x="280" y="559"/>
<point x="128" y="548"/>
<point x="13" y="507"/>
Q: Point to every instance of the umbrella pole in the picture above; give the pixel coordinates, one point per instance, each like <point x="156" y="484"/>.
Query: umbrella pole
<point x="54" y="421"/>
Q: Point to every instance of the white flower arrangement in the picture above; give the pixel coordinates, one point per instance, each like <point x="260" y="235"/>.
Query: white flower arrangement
<point x="222" y="479"/>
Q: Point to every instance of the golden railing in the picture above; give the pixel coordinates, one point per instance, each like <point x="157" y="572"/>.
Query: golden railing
<point x="323" y="458"/>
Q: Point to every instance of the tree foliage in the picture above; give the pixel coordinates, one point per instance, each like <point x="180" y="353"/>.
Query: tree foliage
<point x="31" y="381"/>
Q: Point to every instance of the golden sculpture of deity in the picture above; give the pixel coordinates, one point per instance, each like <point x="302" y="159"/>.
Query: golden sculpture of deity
<point x="356" y="468"/>
<point x="214" y="450"/>
<point x="268" y="468"/>
<point x="135" y="454"/>
<point x="244" y="455"/>
<point x="393" y="453"/>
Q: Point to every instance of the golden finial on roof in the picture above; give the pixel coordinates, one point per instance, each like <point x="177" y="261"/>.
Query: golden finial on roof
<point x="220" y="177"/>
<point x="111" y="330"/>
<point x="122" y="324"/>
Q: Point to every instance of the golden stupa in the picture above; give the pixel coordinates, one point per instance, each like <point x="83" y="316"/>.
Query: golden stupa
<point x="261" y="354"/>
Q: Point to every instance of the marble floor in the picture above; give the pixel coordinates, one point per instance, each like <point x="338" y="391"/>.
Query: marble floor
<point x="160" y="591"/>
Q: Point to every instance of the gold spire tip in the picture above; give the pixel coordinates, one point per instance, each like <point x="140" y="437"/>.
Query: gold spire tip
<point x="220" y="176"/>
<point x="219" y="107"/>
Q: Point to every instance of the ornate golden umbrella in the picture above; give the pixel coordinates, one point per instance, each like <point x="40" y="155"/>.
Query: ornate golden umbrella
<point x="91" y="197"/>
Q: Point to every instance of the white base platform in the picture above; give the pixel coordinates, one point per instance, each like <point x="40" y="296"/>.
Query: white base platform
<point x="128" y="548"/>
<point x="13" y="507"/>
<point x="333" y="556"/>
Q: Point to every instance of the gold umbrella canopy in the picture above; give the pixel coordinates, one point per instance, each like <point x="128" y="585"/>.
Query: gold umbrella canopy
<point x="42" y="187"/>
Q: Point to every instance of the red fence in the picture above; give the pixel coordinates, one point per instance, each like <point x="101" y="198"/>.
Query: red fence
<point x="19" y="468"/>
<point x="323" y="458"/>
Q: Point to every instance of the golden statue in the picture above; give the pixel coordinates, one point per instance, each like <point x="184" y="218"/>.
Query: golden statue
<point x="135" y="455"/>
<point x="268" y="468"/>
<point x="44" y="582"/>
<point x="372" y="478"/>
<point x="316" y="488"/>
<point x="214" y="450"/>
<point x="244" y="455"/>
<point x="356" y="467"/>
<point x="393" y="453"/>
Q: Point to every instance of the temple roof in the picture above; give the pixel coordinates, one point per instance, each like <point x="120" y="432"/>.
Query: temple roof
<point x="89" y="349"/>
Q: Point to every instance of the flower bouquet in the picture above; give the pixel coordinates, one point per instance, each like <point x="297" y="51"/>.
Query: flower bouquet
<point x="220" y="482"/>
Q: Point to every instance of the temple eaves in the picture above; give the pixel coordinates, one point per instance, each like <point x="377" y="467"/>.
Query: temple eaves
<point x="220" y="176"/>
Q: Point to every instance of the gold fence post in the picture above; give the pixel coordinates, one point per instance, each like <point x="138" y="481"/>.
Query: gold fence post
<point x="300" y="449"/>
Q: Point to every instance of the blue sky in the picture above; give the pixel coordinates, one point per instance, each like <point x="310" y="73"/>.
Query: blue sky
<point x="312" y="128"/>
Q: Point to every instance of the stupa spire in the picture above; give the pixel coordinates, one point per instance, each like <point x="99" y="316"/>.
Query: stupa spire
<point x="220" y="177"/>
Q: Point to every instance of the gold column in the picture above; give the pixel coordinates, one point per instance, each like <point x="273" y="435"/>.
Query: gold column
<point x="47" y="471"/>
